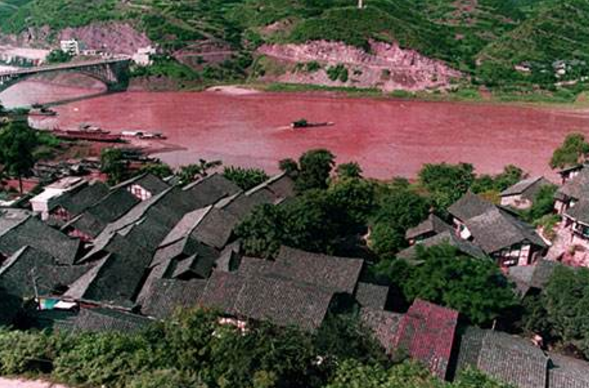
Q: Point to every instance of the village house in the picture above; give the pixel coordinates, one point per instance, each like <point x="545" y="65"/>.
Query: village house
<point x="47" y="199"/>
<point x="480" y="229"/>
<point x="144" y="186"/>
<point x="499" y="233"/>
<point x="522" y="194"/>
<point x="572" y="190"/>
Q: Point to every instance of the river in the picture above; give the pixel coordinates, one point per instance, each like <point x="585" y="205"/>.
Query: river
<point x="387" y="137"/>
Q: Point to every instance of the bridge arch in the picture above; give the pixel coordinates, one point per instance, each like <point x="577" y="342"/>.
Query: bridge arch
<point x="114" y="74"/>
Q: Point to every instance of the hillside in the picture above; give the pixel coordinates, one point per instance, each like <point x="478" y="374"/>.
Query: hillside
<point x="218" y="39"/>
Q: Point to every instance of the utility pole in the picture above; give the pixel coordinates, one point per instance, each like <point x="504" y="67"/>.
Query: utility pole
<point x="360" y="4"/>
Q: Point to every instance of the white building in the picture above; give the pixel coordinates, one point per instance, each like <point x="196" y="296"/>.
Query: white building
<point x="44" y="202"/>
<point x="71" y="46"/>
<point x="143" y="56"/>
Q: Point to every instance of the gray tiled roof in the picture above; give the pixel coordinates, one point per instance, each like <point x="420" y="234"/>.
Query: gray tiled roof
<point x="107" y="320"/>
<point x="509" y="359"/>
<point x="469" y="206"/>
<point x="372" y="295"/>
<point x="75" y="202"/>
<point x="19" y="270"/>
<point x="280" y="301"/>
<point x="524" y="185"/>
<point x="116" y="279"/>
<point x="463" y="246"/>
<point x="533" y="276"/>
<point x="576" y="188"/>
<point x="496" y="229"/>
<point x="433" y="224"/>
<point x="211" y="189"/>
<point x="566" y="372"/>
<point x="167" y="295"/>
<point x="579" y="211"/>
<point x="111" y="207"/>
<point x="383" y="324"/>
<point x="148" y="181"/>
<point x="34" y="233"/>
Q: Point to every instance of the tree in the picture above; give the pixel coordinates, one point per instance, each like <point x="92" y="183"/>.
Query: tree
<point x="349" y="170"/>
<point x="566" y="301"/>
<point x="58" y="56"/>
<point x="543" y="203"/>
<point x="573" y="151"/>
<point x="114" y="164"/>
<point x="289" y="166"/>
<point x="17" y="145"/>
<point x="315" y="167"/>
<point x="399" y="210"/>
<point x="192" y="172"/>
<point x="474" y="287"/>
<point x="159" y="169"/>
<point x="446" y="183"/>
<point x="245" y="178"/>
<point x="487" y="183"/>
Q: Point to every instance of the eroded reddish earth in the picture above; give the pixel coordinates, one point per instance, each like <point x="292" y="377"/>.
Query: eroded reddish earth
<point x="387" y="137"/>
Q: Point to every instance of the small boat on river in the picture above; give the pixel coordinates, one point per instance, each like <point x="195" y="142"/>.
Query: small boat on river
<point x="303" y="123"/>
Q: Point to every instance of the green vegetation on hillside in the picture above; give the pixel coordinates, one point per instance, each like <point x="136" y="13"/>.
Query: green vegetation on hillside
<point x="486" y="39"/>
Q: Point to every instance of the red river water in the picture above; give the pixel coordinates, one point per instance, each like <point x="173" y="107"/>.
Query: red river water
<point x="387" y="137"/>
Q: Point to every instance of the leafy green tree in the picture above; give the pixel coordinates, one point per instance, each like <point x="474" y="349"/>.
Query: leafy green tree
<point x="114" y="164"/>
<point x="348" y="170"/>
<point x="446" y="183"/>
<point x="487" y="183"/>
<point x="543" y="203"/>
<point x="58" y="56"/>
<point x="316" y="220"/>
<point x="289" y="166"/>
<point x="399" y="210"/>
<point x="566" y="301"/>
<point x="474" y="287"/>
<point x="159" y="169"/>
<point x="245" y="178"/>
<point x="192" y="172"/>
<point x="315" y="168"/>
<point x="17" y="145"/>
<point x="573" y="151"/>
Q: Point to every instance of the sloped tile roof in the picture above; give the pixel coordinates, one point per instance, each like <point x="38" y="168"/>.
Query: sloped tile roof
<point x="469" y="206"/>
<point x="75" y="202"/>
<point x="523" y="185"/>
<point x="339" y="274"/>
<point x="18" y="272"/>
<point x="384" y="325"/>
<point x="280" y="301"/>
<point x="427" y="333"/>
<point x="513" y="360"/>
<point x="148" y="181"/>
<point x="111" y="207"/>
<point x="579" y="211"/>
<point x="107" y="320"/>
<point x="433" y="224"/>
<point x="576" y="188"/>
<point x="167" y="295"/>
<point x="566" y="372"/>
<point x="463" y="246"/>
<point x="211" y="189"/>
<point x="36" y="234"/>
<point x="372" y="295"/>
<point x="496" y="229"/>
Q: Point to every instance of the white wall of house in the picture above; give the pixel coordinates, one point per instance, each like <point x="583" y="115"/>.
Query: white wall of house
<point x="516" y="201"/>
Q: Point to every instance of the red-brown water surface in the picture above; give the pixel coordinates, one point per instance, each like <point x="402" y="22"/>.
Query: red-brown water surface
<point x="387" y="137"/>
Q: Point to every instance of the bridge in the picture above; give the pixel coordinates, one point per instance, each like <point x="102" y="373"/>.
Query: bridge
<point x="114" y="73"/>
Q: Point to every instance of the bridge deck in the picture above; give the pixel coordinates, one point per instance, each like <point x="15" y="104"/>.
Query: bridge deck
<point x="62" y="66"/>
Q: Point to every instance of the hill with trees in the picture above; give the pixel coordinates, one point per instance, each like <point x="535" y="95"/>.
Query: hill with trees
<point x="513" y="45"/>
